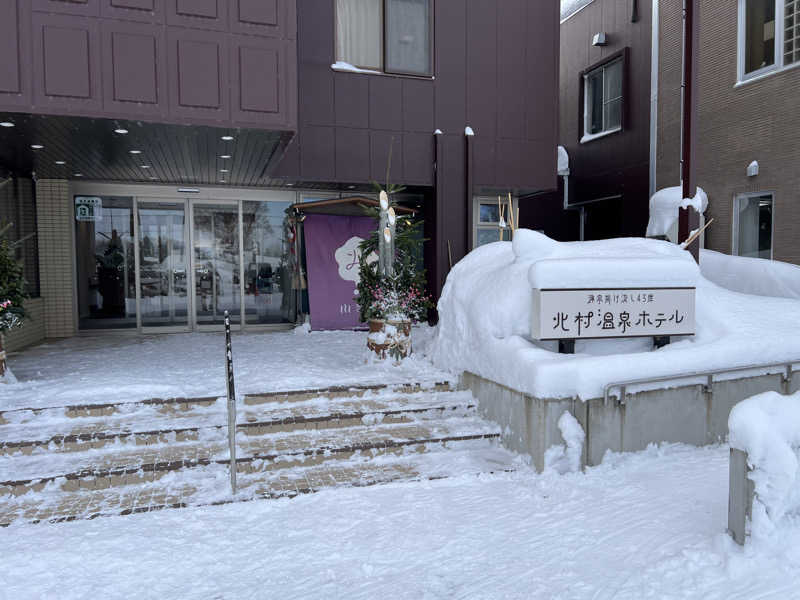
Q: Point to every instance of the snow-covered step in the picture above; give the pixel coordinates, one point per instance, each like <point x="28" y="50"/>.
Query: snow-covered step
<point x="208" y="485"/>
<point x="117" y="466"/>
<point x="148" y="425"/>
<point x="176" y="405"/>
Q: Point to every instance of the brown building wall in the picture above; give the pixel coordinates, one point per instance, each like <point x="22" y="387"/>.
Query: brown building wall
<point x="617" y="164"/>
<point x="229" y="62"/>
<point x="736" y="125"/>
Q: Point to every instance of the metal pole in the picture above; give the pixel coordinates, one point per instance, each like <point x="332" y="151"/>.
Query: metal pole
<point x="688" y="219"/>
<point x="231" y="400"/>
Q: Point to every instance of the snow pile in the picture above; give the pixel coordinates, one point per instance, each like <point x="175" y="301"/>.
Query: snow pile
<point x="767" y="428"/>
<point x="664" y="207"/>
<point x="566" y="458"/>
<point x="563" y="161"/>
<point x="570" y="7"/>
<point x="756" y="276"/>
<point x="486" y="305"/>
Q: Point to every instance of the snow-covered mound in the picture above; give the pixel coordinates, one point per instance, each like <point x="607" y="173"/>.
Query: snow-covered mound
<point x="767" y="428"/>
<point x="664" y="209"/>
<point x="751" y="275"/>
<point x="485" y="315"/>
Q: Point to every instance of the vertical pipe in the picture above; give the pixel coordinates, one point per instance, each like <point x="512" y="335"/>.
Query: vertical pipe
<point x="231" y="401"/>
<point x="468" y="184"/>
<point x="688" y="218"/>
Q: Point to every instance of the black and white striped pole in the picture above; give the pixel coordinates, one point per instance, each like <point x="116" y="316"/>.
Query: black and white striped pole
<point x="231" y="400"/>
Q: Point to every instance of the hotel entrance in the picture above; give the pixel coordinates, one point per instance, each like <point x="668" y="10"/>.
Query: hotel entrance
<point x="155" y="263"/>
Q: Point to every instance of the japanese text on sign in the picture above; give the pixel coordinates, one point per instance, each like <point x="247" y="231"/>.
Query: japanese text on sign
<point x="573" y="314"/>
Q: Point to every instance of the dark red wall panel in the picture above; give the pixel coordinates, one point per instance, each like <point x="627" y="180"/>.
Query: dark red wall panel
<point x="66" y="53"/>
<point x="261" y="17"/>
<point x="260" y="79"/>
<point x="14" y="54"/>
<point x="135" y="68"/>
<point x="151" y="11"/>
<point x="86" y="8"/>
<point x="198" y="14"/>
<point x="198" y="74"/>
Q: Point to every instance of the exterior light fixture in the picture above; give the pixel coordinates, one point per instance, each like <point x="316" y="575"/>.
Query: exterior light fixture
<point x="225" y="156"/>
<point x="77" y="174"/>
<point x="61" y="162"/>
<point x="121" y="130"/>
<point x="145" y="166"/>
<point x="227" y="138"/>
<point x="6" y="124"/>
<point x="135" y="151"/>
<point x="37" y="146"/>
<point x="600" y="39"/>
<point x="223" y="170"/>
<point x="752" y="169"/>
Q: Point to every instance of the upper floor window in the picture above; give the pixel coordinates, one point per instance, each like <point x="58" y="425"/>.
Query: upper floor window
<point x="602" y="100"/>
<point x="769" y="36"/>
<point x="392" y="36"/>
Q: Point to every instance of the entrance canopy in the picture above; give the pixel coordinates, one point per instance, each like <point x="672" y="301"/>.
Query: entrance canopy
<point x="81" y="148"/>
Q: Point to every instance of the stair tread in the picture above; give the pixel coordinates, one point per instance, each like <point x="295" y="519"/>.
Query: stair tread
<point x="149" y="418"/>
<point x="202" y="487"/>
<point x="214" y="447"/>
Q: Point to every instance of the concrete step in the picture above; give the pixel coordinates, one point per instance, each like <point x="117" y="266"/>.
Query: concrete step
<point x="208" y="485"/>
<point x="149" y="426"/>
<point x="125" y="465"/>
<point x="178" y="405"/>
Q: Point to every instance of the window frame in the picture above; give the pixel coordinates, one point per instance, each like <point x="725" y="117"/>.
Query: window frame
<point x="741" y="42"/>
<point x="477" y="224"/>
<point x="383" y="45"/>
<point x="623" y="56"/>
<point x="735" y="220"/>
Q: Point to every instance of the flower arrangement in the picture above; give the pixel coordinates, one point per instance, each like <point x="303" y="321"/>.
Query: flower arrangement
<point x="12" y="283"/>
<point x="10" y="316"/>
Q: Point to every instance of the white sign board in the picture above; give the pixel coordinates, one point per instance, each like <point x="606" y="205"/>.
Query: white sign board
<point x="88" y="208"/>
<point x="607" y="313"/>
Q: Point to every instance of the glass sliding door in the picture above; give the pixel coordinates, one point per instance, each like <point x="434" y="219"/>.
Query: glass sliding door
<point x="105" y="257"/>
<point x="268" y="292"/>
<point x="163" y="269"/>
<point x="216" y="253"/>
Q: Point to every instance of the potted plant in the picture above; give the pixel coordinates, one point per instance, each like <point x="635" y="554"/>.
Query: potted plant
<point x="391" y="292"/>
<point x="12" y="291"/>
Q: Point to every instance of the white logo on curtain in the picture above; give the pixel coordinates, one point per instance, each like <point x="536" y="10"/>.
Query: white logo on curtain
<point x="347" y="256"/>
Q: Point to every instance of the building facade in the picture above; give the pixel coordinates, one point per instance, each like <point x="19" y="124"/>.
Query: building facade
<point x="747" y="102"/>
<point x="160" y="142"/>
<point x="604" y="122"/>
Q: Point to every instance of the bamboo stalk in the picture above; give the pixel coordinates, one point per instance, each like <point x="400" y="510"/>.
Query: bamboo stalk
<point x="696" y="234"/>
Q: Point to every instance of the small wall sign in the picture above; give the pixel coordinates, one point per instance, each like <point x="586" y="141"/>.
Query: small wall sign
<point x="612" y="313"/>
<point x="88" y="208"/>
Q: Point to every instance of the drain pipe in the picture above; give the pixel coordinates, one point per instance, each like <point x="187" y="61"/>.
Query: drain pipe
<point x="231" y="401"/>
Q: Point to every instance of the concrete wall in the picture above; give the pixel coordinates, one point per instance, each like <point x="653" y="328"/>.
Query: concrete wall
<point x="687" y="414"/>
<point x="31" y="332"/>
<point x="56" y="252"/>
<point x="735" y="125"/>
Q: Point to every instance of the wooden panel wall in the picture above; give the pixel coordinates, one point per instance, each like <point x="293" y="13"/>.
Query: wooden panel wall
<point x="182" y="61"/>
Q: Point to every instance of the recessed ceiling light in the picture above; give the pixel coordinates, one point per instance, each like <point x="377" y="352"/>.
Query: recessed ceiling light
<point x="226" y="138"/>
<point x="145" y="166"/>
<point x="61" y="162"/>
<point x="135" y="151"/>
<point x="225" y="156"/>
<point x="289" y="185"/>
<point x="37" y="146"/>
<point x="351" y="187"/>
<point x="6" y="124"/>
<point x="121" y="131"/>
<point x="222" y="181"/>
<point x="77" y="174"/>
<point x="153" y="177"/>
<point x="223" y="170"/>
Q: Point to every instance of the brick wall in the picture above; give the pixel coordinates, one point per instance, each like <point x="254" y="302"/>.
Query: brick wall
<point x="56" y="250"/>
<point x="736" y="125"/>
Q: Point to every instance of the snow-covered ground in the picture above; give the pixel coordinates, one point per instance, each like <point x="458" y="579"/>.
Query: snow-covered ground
<point x="645" y="525"/>
<point x="93" y="370"/>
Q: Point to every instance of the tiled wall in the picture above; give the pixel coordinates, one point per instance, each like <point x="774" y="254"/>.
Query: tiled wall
<point x="54" y="213"/>
<point x="32" y="332"/>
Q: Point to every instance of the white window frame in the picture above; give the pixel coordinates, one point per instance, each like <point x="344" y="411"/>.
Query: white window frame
<point x="779" y="65"/>
<point x="735" y="221"/>
<point x="588" y="137"/>
<point x="477" y="224"/>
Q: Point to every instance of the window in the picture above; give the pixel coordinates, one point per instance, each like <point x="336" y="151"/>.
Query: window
<point x="487" y="224"/>
<point x="18" y="208"/>
<point x="752" y="226"/>
<point x="602" y="100"/>
<point x="393" y="36"/>
<point x="769" y="36"/>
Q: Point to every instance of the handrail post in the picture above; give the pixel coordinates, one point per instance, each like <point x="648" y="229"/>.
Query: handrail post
<point x="231" y="400"/>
